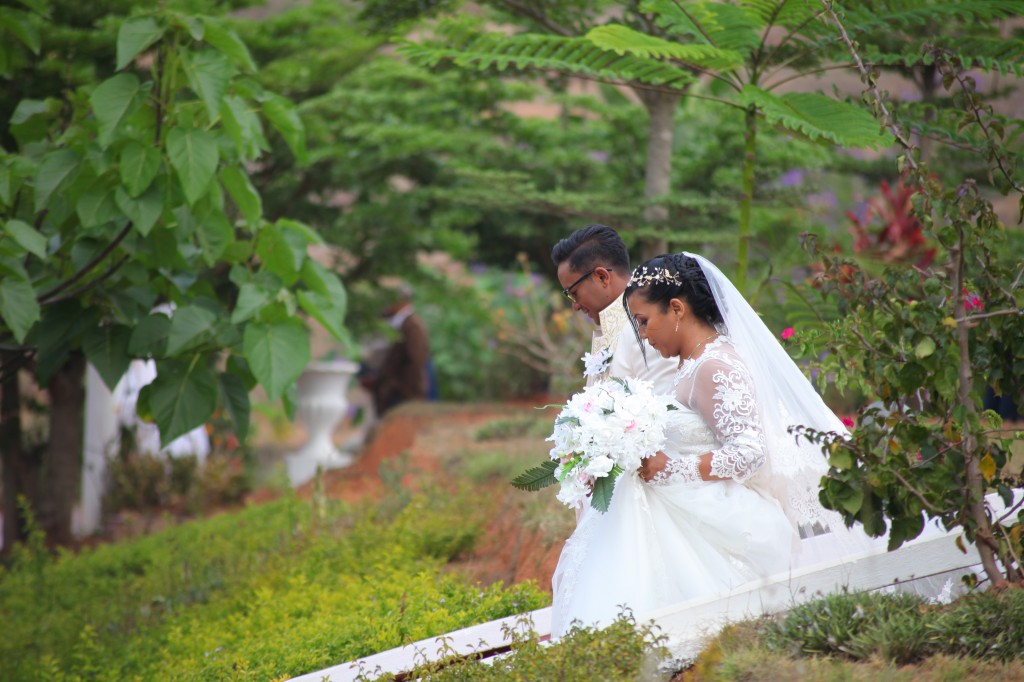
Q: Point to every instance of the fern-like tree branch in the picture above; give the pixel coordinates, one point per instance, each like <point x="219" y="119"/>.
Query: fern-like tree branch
<point x="804" y="74"/>
<point x="525" y="10"/>
<point x="986" y="131"/>
<point x="887" y="119"/>
<point x="795" y="31"/>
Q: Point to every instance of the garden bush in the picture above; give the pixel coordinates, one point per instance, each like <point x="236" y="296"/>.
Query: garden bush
<point x="903" y="628"/>
<point x="273" y="591"/>
<point x="856" y="625"/>
<point x="623" y="651"/>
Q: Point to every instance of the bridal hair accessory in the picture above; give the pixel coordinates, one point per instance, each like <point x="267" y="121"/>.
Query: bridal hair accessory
<point x="643" y="276"/>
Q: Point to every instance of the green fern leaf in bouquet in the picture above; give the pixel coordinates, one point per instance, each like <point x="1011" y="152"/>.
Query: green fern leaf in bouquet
<point x="537" y="478"/>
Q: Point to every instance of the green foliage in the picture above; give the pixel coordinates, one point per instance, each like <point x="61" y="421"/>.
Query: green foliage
<point x="922" y="344"/>
<point x="538" y="477"/>
<point x="964" y="29"/>
<point x="622" y="651"/>
<point x="581" y="56"/>
<point x="894" y="627"/>
<point x="116" y="202"/>
<point x="275" y="590"/>
<point x="513" y="427"/>
<point x="730" y="42"/>
<point x="985" y="625"/>
<point x="901" y="628"/>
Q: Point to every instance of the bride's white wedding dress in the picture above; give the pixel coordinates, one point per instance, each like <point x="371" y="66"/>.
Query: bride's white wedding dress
<point x="679" y="537"/>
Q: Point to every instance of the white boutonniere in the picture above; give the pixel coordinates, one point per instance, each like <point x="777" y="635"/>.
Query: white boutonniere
<point x="595" y="364"/>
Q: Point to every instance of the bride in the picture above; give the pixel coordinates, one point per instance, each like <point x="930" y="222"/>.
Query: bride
<point x="731" y="496"/>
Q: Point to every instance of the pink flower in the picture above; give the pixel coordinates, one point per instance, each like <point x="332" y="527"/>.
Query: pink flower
<point x="631" y="425"/>
<point x="787" y="332"/>
<point x="973" y="302"/>
<point x="848" y="422"/>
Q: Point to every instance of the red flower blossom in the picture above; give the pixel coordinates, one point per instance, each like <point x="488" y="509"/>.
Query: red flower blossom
<point x="972" y="301"/>
<point x="848" y="422"/>
<point x="787" y="332"/>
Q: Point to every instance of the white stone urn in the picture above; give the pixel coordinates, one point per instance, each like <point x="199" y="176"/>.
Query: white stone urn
<point x="322" y="400"/>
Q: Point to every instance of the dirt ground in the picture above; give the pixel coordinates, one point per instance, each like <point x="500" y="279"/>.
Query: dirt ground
<point x="426" y="435"/>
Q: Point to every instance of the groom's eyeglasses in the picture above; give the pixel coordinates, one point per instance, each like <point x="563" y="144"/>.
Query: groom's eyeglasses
<point x="568" y="291"/>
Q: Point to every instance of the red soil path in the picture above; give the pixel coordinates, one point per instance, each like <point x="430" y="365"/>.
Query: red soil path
<point x="424" y="433"/>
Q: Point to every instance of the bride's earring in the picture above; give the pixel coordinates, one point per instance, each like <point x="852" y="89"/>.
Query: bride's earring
<point x="677" y="324"/>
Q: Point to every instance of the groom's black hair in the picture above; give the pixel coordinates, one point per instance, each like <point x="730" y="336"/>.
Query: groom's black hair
<point x="685" y="279"/>
<point x="590" y="247"/>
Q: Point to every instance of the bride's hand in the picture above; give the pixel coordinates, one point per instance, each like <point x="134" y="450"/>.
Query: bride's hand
<point x="650" y="466"/>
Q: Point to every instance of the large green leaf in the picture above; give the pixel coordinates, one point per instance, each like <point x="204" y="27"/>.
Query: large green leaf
<point x="208" y="73"/>
<point x="27" y="237"/>
<point x="215" y="234"/>
<point x="190" y="325"/>
<point x="251" y="299"/>
<point x="193" y="154"/>
<point x="244" y="194"/>
<point x="106" y="347"/>
<point x="601" y="496"/>
<point x="96" y="206"/>
<point x="243" y="126"/>
<point x="55" y="168"/>
<point x="18" y="306"/>
<point x="282" y="252"/>
<point x="135" y="36"/>
<point x="149" y="338"/>
<point x="22" y="26"/>
<point x="322" y="281"/>
<point x="818" y="117"/>
<point x="143" y="211"/>
<point x="62" y="327"/>
<point x="322" y="309"/>
<point x="277" y="354"/>
<point x="282" y="115"/>
<point x="182" y="397"/>
<point x="624" y="40"/>
<point x="114" y="100"/>
<point x="139" y="165"/>
<point x="235" y="396"/>
<point x="228" y="42"/>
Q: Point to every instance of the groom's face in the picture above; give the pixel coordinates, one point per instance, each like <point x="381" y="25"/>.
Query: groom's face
<point x="584" y="288"/>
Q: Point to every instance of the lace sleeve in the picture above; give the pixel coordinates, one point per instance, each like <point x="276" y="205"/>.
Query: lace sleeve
<point x="722" y="392"/>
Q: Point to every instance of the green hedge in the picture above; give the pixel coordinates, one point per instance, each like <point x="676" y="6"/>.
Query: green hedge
<point x="270" y="592"/>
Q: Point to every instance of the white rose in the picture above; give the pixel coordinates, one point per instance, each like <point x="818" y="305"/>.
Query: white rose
<point x="599" y="466"/>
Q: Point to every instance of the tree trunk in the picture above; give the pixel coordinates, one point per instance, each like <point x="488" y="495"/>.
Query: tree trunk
<point x="985" y="541"/>
<point x="661" y="109"/>
<point x="20" y="471"/>
<point x="62" y="476"/>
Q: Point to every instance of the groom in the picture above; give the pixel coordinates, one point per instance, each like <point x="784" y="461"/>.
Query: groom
<point x="593" y="267"/>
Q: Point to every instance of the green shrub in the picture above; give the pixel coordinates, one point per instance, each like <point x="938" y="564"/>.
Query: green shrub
<point x="855" y="625"/>
<point x="515" y="427"/>
<point x="983" y="625"/>
<point x="272" y="591"/>
<point x="622" y="651"/>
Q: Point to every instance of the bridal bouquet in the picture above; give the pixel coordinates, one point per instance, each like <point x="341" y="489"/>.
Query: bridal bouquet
<point x="605" y="429"/>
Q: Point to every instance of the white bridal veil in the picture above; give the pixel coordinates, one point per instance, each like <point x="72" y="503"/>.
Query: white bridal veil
<point x="792" y="474"/>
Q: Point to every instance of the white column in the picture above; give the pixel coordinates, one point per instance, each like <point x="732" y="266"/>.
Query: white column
<point x="100" y="435"/>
